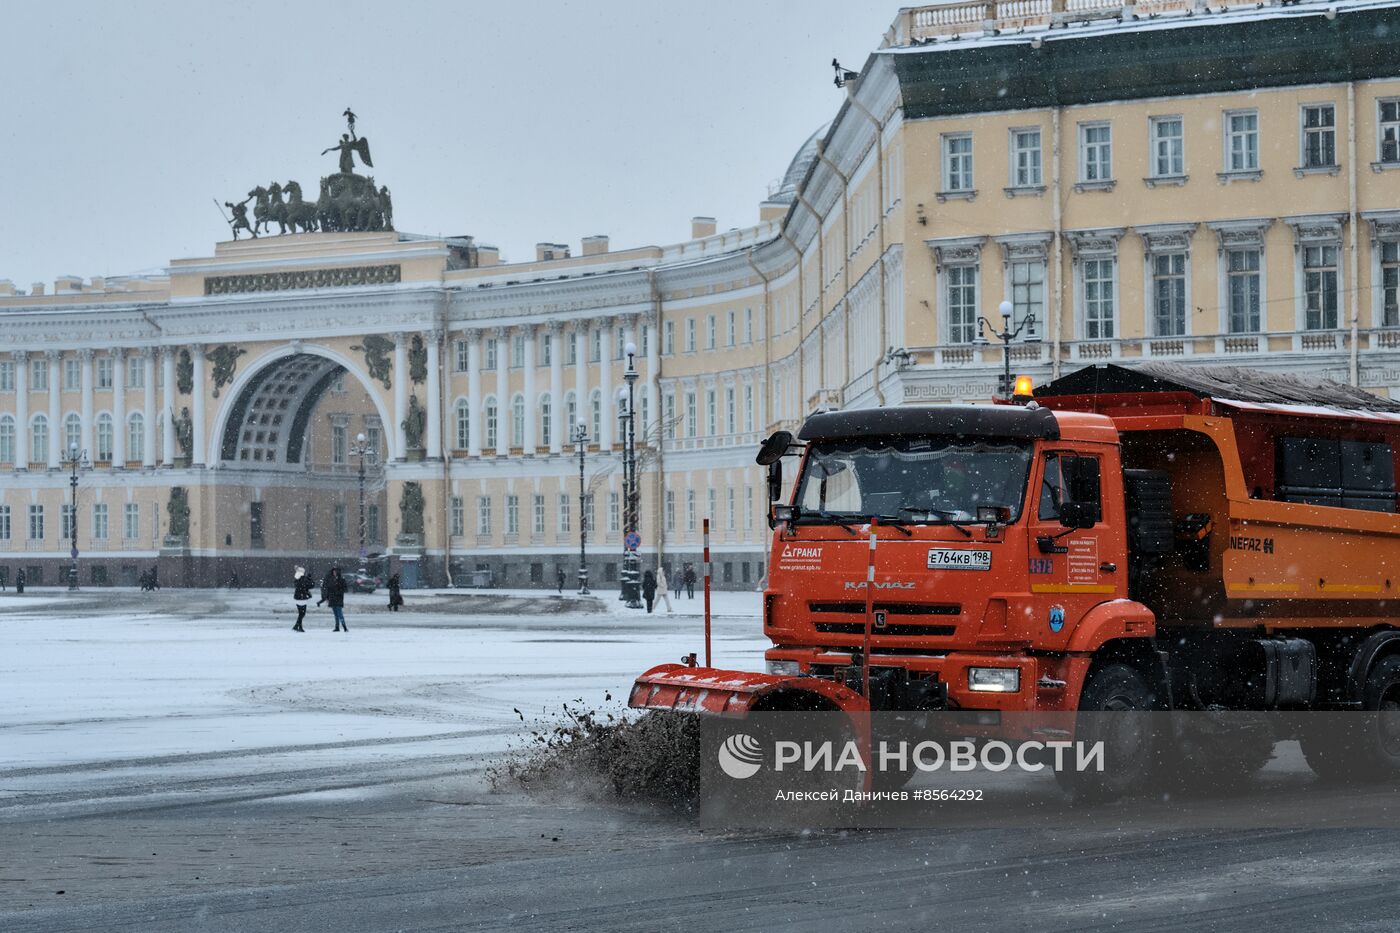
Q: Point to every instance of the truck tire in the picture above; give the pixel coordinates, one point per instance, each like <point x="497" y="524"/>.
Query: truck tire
<point x="1129" y="745"/>
<point x="1369" y="750"/>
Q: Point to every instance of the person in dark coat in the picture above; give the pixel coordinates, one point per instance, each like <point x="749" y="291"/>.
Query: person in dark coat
<point x="559" y="579"/>
<point x="395" y="596"/>
<point x="689" y="581"/>
<point x="302" y="585"/>
<point x="649" y="588"/>
<point x="680" y="582"/>
<point x="19" y="580"/>
<point x="333" y="594"/>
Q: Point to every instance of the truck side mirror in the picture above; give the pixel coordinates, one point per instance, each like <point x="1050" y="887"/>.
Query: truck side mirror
<point x="775" y="480"/>
<point x="773" y="448"/>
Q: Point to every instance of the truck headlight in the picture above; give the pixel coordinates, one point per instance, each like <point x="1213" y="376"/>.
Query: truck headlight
<point x="783" y="668"/>
<point x="994" y="679"/>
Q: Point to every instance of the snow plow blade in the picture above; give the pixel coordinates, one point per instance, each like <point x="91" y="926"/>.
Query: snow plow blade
<point x="710" y="691"/>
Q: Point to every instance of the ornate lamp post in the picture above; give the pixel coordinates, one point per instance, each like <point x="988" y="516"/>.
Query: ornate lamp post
<point x="1005" y="335"/>
<point x="581" y="439"/>
<point x="74" y="460"/>
<point x="362" y="449"/>
<point x="631" y="563"/>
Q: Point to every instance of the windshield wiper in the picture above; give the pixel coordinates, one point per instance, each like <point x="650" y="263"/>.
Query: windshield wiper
<point x="946" y="514"/>
<point x="891" y="522"/>
<point x="841" y="522"/>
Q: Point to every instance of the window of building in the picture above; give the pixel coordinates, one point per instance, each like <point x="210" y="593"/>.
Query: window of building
<point x="668" y="404"/>
<point x="1095" y="152"/>
<point x="748" y="512"/>
<point x="597" y="413"/>
<point x="711" y="499"/>
<point x="7" y="439"/>
<point x="7" y="376"/>
<point x="668" y="345"/>
<point x="72" y="434"/>
<point x="104" y="436"/>
<point x="491" y="422"/>
<point x="517" y="350"/>
<point x="731" y="328"/>
<point x="517" y="421"/>
<point x="339" y="522"/>
<point x="1243" y="284"/>
<point x="39" y="375"/>
<point x="1319" y="136"/>
<point x="372" y="522"/>
<point x="730" y="415"/>
<point x="614" y="512"/>
<point x="546" y="420"/>
<point x="748" y="408"/>
<point x="1242" y="141"/>
<point x="483" y="515"/>
<point x="1320" y="284"/>
<point x="457" y="517"/>
<point x="546" y="349"/>
<point x="512" y="515"/>
<point x="1025" y="158"/>
<point x="1390" y="283"/>
<point x="597" y="354"/>
<point x="99" y="521"/>
<point x="104" y="372"/>
<point x="462" y="418"/>
<point x="690" y="335"/>
<point x="461" y="354"/>
<point x="571" y="351"/>
<point x="690" y="510"/>
<point x="1028" y="293"/>
<point x="1168" y="147"/>
<point x="65" y="522"/>
<point x="135" y="436"/>
<point x="1098" y="282"/>
<point x="491" y="360"/>
<point x="72" y="375"/>
<point x="36" y="523"/>
<point x="710" y="332"/>
<point x="39" y="440"/>
<point x="729" y="510"/>
<point x="135" y="372"/>
<point x="670" y="516"/>
<point x="338" y="443"/>
<point x="711" y="414"/>
<point x="1389" y="131"/>
<point x="957" y="162"/>
<point x="570" y="416"/>
<point x="748" y="325"/>
<point x="960" y="298"/>
<point x="564" y="519"/>
<point x="1169" y="294"/>
<point x="131" y="521"/>
<point x="4" y="523"/>
<point x="691" y="415"/>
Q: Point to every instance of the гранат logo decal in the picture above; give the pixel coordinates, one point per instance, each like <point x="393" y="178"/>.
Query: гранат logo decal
<point x="740" y="756"/>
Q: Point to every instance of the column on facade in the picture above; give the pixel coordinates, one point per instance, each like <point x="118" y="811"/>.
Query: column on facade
<point x="148" y="408"/>
<point x="118" y="408"/>
<point x="531" y="402"/>
<point x="502" y="392"/>
<point x="557" y="430"/>
<point x="476" y="410"/>
<point x="85" y="382"/>
<point x="605" y="388"/>
<point x="55" y="360"/>
<point x="434" y="342"/>
<point x="400" y="379"/>
<point x="21" y="358"/>
<point x="167" y="428"/>
<point x="581" y="377"/>
<point x="197" y="432"/>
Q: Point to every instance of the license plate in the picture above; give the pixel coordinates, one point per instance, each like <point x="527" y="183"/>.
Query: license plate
<point x="959" y="559"/>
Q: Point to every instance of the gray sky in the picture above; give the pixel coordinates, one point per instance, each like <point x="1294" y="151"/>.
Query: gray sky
<point x="513" y="122"/>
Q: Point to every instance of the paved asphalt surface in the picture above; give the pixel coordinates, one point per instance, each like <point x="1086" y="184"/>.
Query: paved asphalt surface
<point x="412" y="839"/>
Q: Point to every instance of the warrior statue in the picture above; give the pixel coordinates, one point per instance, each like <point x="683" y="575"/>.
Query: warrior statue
<point x="240" y="217"/>
<point x="414" y="423"/>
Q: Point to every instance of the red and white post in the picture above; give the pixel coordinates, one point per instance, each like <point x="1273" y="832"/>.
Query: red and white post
<point x="869" y="613"/>
<point x="707" y="591"/>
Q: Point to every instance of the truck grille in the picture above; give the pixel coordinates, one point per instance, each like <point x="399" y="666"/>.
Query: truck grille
<point x="901" y="630"/>
<point x="857" y="608"/>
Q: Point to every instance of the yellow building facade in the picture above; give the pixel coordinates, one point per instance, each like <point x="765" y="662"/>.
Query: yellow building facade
<point x="1214" y="186"/>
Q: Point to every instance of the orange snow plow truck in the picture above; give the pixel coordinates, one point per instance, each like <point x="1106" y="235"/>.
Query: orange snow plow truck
<point x="1159" y="537"/>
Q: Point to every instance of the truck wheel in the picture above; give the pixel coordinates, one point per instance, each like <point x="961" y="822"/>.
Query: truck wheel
<point x="1369" y="750"/>
<point x="1128" y="740"/>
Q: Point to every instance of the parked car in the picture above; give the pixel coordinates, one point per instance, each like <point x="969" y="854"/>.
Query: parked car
<point x="362" y="581"/>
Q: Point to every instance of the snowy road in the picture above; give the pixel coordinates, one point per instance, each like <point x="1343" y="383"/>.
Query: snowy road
<point x="187" y="763"/>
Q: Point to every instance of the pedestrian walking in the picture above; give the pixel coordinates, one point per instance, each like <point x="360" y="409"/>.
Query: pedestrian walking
<point x="559" y="579"/>
<point x="395" y="596"/>
<point x="302" y="584"/>
<point x="333" y="594"/>
<point x="649" y="588"/>
<point x="663" y="587"/>
<point x="680" y="582"/>
<point x="689" y="582"/>
<point x="19" y="580"/>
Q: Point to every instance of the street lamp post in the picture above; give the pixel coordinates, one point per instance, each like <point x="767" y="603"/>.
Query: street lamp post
<point x="74" y="460"/>
<point x="1005" y="335"/>
<point x="581" y="439"/>
<point x="362" y="449"/>
<point x="631" y="563"/>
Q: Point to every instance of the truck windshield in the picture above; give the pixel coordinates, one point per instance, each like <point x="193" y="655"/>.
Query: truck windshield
<point x="911" y="479"/>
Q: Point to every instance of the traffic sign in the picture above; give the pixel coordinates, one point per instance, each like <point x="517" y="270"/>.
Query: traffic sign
<point x="633" y="540"/>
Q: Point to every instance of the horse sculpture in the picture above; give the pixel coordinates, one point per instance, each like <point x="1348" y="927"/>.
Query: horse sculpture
<point x="299" y="213"/>
<point x="276" y="207"/>
<point x="260" y="209"/>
